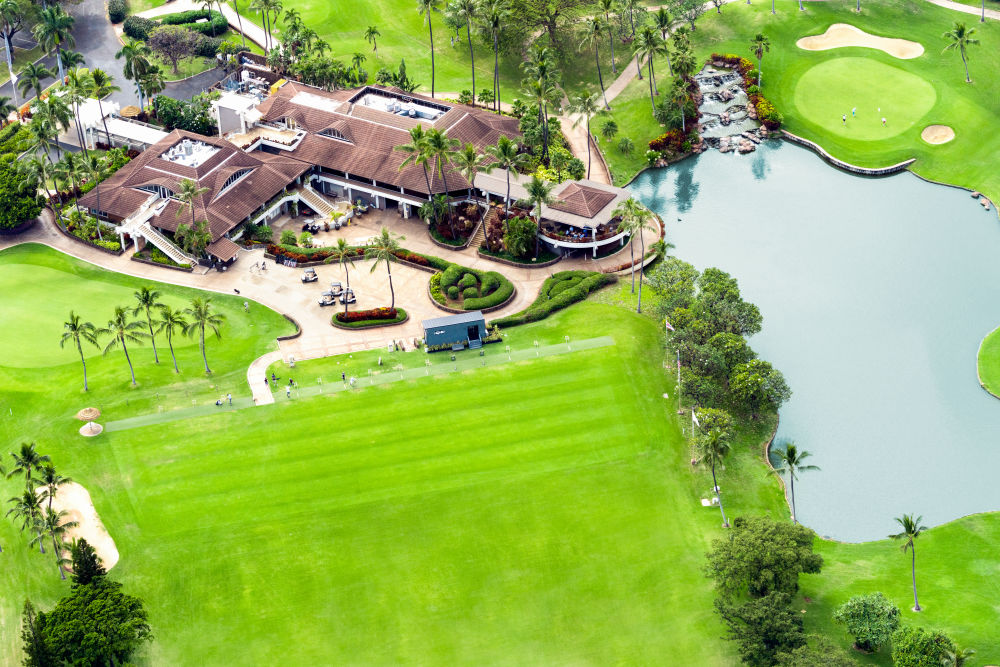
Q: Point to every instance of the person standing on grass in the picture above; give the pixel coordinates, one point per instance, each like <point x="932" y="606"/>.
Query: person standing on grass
<point x="844" y="118"/>
<point x="229" y="397"/>
<point x="854" y="112"/>
<point x="288" y="391"/>
<point x="883" y="121"/>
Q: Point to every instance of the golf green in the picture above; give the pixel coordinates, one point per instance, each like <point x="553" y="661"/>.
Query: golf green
<point x="865" y="91"/>
<point x="989" y="362"/>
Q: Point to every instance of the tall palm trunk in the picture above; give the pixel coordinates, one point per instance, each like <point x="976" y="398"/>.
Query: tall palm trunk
<point x="966" y="63"/>
<point x="496" y="74"/>
<point x="794" y="513"/>
<point x="430" y="30"/>
<point x="718" y="494"/>
<point x="128" y="359"/>
<point x="666" y="52"/>
<point x="97" y="186"/>
<point x="642" y="258"/>
<point x="631" y="251"/>
<point x="392" y="292"/>
<point x="107" y="134"/>
<point x="41" y="535"/>
<point x="239" y="21"/>
<point x="913" y="571"/>
<point x="611" y="38"/>
<point x="62" y="74"/>
<point x="427" y="179"/>
<point x="149" y="323"/>
<point x="347" y="273"/>
<point x="638" y="68"/>
<point x="55" y="548"/>
<point x="472" y="56"/>
<point x="506" y="199"/>
<point x="652" y="76"/>
<point x="204" y="357"/>
<point x="588" y="148"/>
<point x="600" y="77"/>
<point x="652" y="102"/>
<point x="84" y="362"/>
<point x="170" y="343"/>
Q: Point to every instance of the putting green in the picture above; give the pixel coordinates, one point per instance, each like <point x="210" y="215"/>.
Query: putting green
<point x="829" y="90"/>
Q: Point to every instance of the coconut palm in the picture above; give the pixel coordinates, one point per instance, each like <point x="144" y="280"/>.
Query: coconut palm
<point x="441" y="149"/>
<point x="203" y="318"/>
<point x="383" y="250"/>
<point x="71" y="59"/>
<point x="417" y="153"/>
<point x="102" y="85"/>
<point x="790" y="463"/>
<point x="506" y="156"/>
<point x="78" y="332"/>
<point x="51" y="480"/>
<point x="592" y="35"/>
<point x="32" y="79"/>
<point x="170" y="322"/>
<point x="648" y="45"/>
<point x="957" y="658"/>
<point x="11" y="14"/>
<point x="760" y="45"/>
<point x="679" y="96"/>
<point x="147" y="301"/>
<point x="193" y="239"/>
<point x="28" y="508"/>
<point x="539" y="194"/>
<point x="469" y="162"/>
<point x="344" y="255"/>
<point x="464" y="11"/>
<point x="493" y="14"/>
<point x="6" y="109"/>
<point x="151" y="83"/>
<point x="69" y="170"/>
<point x="607" y="8"/>
<point x="586" y="106"/>
<point x="53" y="113"/>
<point x="137" y="62"/>
<point x="188" y="194"/>
<point x="371" y="36"/>
<point x="53" y="31"/>
<point x="960" y="39"/>
<point x="663" y="21"/>
<point x="27" y="460"/>
<point x="55" y="525"/>
<point x="642" y="222"/>
<point x="626" y="213"/>
<point x="95" y="169"/>
<point x="426" y="8"/>
<point x="713" y="448"/>
<point x="911" y="531"/>
<point x="39" y="169"/>
<point x="123" y="331"/>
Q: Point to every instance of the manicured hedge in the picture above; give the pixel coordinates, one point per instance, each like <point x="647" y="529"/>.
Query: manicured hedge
<point x="502" y="293"/>
<point x="453" y="293"/>
<point x="138" y="27"/>
<point x="471" y="292"/>
<point x="559" y="291"/>
<point x="117" y="10"/>
<point x="363" y="319"/>
<point x="188" y="20"/>
<point x="452" y="275"/>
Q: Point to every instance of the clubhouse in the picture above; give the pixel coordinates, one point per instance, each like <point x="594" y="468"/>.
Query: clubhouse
<point x="289" y="143"/>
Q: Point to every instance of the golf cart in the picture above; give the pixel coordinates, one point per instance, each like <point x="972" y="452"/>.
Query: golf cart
<point x="309" y="276"/>
<point x="336" y="288"/>
<point x="327" y="300"/>
<point x="347" y="297"/>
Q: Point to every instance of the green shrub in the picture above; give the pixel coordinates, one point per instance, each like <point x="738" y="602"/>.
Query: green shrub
<point x="501" y="294"/>
<point x="180" y="18"/>
<point x="559" y="291"/>
<point x="453" y="292"/>
<point x="117" y="10"/>
<point x="138" y="27"/>
<point x="436" y="288"/>
<point x="753" y="90"/>
<point x="207" y="46"/>
<point x="288" y="238"/>
<point x="216" y="26"/>
<point x="467" y="280"/>
<point x="491" y="280"/>
<point x="452" y="275"/>
<point x="470" y="292"/>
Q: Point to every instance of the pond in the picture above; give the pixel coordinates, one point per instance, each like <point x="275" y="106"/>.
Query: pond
<point x="875" y="294"/>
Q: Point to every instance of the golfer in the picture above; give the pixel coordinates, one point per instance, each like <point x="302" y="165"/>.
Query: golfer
<point x="854" y="112"/>
<point x="845" y="120"/>
<point x="883" y="121"/>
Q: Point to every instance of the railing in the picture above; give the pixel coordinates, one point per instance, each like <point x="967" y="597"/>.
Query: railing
<point x="589" y="240"/>
<point x="164" y="244"/>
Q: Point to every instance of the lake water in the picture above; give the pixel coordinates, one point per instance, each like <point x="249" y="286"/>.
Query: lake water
<point x="876" y="294"/>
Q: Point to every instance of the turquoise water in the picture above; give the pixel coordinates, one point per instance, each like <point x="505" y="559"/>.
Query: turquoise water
<point x="876" y="294"/>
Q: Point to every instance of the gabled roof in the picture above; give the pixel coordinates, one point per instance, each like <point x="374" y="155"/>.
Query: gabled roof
<point x="582" y="200"/>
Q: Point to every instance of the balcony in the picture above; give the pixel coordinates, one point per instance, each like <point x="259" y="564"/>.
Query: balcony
<point x="276" y="136"/>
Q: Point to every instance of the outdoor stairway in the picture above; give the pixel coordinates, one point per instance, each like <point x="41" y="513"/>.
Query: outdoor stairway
<point x="479" y="238"/>
<point x="316" y="201"/>
<point x="164" y="244"/>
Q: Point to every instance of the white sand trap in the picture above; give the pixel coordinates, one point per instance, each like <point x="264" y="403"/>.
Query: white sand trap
<point x="937" y="134"/>
<point x="842" y="34"/>
<point x="75" y="500"/>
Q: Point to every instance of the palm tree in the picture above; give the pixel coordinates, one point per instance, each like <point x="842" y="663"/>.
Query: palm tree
<point x="383" y="250"/>
<point x="911" y="531"/>
<point x="202" y="318"/>
<point x="193" y="239"/>
<point x="71" y="59"/>
<point x="506" y="156"/>
<point x="343" y="255"/>
<point x="137" y="61"/>
<point x="587" y="106"/>
<point x="371" y="35"/>
<point x="642" y="222"/>
<point x="469" y="162"/>
<point x="713" y="448"/>
<point x="957" y="658"/>
<point x="170" y="321"/>
<point x="39" y="169"/>
<point x="592" y="34"/>
<point x="28" y="508"/>
<point x="663" y="21"/>
<point x="493" y="14"/>
<point x="97" y="169"/>
<point x="55" y="525"/>
<point x="760" y="45"/>
<point x="239" y="21"/>
<point x="648" y="46"/>
<point x="102" y="85"/>
<point x="51" y="480"/>
<point x="425" y="8"/>
<point x="69" y="169"/>
<point x="6" y="109"/>
<point x="442" y="149"/>
<point x="679" y="96"/>
<point x="53" y="32"/>
<point x="148" y="300"/>
<point x="463" y="11"/>
<point x="790" y="462"/>
<point x="607" y="7"/>
<point x="961" y="38"/>
<point x="123" y="331"/>
<point x="151" y="83"/>
<point x="31" y="78"/>
<point x="27" y="460"/>
<point x="417" y="154"/>
<point x="539" y="193"/>
<point x="77" y="331"/>
<point x="188" y="195"/>
<point x="626" y="212"/>
<point x="10" y="14"/>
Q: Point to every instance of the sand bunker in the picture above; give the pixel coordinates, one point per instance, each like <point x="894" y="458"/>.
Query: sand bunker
<point x="75" y="500"/>
<point x="937" y="134"/>
<point x="842" y="34"/>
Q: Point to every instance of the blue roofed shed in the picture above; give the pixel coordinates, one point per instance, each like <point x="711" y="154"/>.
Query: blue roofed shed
<point x="456" y="330"/>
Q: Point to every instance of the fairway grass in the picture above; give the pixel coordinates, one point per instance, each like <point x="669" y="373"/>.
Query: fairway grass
<point x="543" y="510"/>
<point x="988" y="362"/>
<point x="830" y="91"/>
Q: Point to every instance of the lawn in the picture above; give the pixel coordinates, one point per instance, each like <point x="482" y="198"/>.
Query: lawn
<point x="989" y="362"/>
<point x="189" y="67"/>
<point x="537" y="511"/>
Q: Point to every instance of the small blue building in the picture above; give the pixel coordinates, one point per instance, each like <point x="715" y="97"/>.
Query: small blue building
<point x="456" y="330"/>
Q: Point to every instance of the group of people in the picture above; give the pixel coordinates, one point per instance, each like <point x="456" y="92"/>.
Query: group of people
<point x="854" y="113"/>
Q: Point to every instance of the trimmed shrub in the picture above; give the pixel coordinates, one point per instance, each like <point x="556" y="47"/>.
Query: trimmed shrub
<point x="453" y="292"/>
<point x="502" y="293"/>
<point x="376" y="314"/>
<point x="117" y="10"/>
<point x="470" y="292"/>
<point x="452" y="275"/>
<point x="288" y="237"/>
<point x="216" y="26"/>
<point x="138" y="27"/>
<point x="207" y="47"/>
<point x="559" y="291"/>
<point x="180" y="18"/>
<point x="468" y="280"/>
<point x="491" y="281"/>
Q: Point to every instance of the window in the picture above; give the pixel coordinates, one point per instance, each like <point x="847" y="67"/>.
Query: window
<point x="334" y="133"/>
<point x="232" y="180"/>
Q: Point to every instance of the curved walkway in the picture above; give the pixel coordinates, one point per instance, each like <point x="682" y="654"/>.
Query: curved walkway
<point x="966" y="9"/>
<point x="251" y="30"/>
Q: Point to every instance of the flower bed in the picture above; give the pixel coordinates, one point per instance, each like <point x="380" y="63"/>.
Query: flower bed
<point x="767" y="114"/>
<point x="366" y="319"/>
<point x="559" y="291"/>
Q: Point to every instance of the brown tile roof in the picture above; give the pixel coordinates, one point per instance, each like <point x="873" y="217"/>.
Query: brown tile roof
<point x="223" y="249"/>
<point x="582" y="200"/>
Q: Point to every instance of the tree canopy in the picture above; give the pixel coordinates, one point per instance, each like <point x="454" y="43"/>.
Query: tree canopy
<point x="19" y="200"/>
<point x="871" y="619"/>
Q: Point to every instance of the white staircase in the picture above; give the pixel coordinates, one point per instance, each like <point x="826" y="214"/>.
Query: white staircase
<point x="316" y="201"/>
<point x="163" y="243"/>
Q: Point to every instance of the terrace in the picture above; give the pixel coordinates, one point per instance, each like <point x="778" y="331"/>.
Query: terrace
<point x="269" y="134"/>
